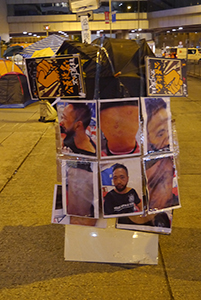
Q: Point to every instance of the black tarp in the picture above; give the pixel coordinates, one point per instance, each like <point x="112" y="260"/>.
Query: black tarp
<point x="122" y="66"/>
<point x="14" y="90"/>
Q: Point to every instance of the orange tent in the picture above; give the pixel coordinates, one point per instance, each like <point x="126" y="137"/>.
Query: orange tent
<point x="7" y="66"/>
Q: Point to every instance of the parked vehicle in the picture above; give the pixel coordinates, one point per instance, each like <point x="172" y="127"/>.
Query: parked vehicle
<point x="193" y="53"/>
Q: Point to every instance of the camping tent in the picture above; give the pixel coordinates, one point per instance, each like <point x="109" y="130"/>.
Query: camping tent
<point x="121" y="68"/>
<point x="7" y="66"/>
<point x="13" y="50"/>
<point x="14" y="91"/>
<point x="53" y="41"/>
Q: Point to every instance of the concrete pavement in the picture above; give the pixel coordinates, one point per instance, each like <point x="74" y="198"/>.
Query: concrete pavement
<point x="31" y="248"/>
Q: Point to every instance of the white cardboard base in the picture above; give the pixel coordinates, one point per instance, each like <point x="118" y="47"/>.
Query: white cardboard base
<point x="110" y="245"/>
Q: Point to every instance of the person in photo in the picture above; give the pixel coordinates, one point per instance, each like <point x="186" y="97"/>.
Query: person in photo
<point x="160" y="174"/>
<point x="157" y="124"/>
<point x="119" y="122"/>
<point x="122" y="199"/>
<point x="156" y="220"/>
<point x="75" y="120"/>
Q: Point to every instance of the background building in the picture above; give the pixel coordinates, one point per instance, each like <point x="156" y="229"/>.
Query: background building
<point x="168" y="23"/>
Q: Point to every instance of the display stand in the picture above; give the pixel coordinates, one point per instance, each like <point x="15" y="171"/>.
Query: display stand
<point x="88" y="153"/>
<point x="92" y="171"/>
<point x="109" y="245"/>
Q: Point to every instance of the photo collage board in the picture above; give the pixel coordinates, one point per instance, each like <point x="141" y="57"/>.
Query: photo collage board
<point x="116" y="163"/>
<point x="115" y="157"/>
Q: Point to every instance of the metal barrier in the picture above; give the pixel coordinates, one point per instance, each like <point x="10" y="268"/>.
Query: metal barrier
<point x="194" y="68"/>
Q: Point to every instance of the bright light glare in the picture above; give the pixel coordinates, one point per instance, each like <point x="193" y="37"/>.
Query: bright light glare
<point x="135" y="235"/>
<point x="94" y="234"/>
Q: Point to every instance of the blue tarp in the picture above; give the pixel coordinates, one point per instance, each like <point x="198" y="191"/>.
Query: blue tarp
<point x="53" y="41"/>
<point x="17" y="105"/>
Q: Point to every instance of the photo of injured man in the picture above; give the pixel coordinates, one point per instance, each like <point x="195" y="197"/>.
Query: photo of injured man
<point x="157" y="130"/>
<point x="119" y="127"/>
<point x="80" y="192"/>
<point x="161" y="182"/>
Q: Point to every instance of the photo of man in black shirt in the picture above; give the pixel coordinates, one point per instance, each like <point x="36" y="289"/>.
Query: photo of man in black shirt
<point x="122" y="199"/>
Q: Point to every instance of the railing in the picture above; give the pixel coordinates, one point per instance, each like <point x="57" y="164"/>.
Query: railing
<point x="194" y="68"/>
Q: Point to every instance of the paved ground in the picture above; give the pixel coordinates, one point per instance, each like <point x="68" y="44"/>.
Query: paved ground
<point x="31" y="248"/>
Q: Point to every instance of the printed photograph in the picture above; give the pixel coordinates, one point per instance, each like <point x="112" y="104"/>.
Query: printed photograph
<point x="80" y="188"/>
<point x="161" y="183"/>
<point x="121" y="184"/>
<point x="119" y="127"/>
<point x="157" y="129"/>
<point x="99" y="223"/>
<point x="58" y="213"/>
<point x="157" y="223"/>
<point x="78" y="127"/>
<point x="59" y="217"/>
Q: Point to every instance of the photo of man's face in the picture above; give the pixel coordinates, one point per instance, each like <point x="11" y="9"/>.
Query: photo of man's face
<point x="78" y="126"/>
<point x="68" y="121"/>
<point x="157" y="128"/>
<point x="160" y="184"/>
<point x="120" y="179"/>
<point x="121" y="182"/>
<point x="157" y="125"/>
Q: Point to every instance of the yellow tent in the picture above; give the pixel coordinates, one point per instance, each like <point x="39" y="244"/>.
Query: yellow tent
<point x="43" y="52"/>
<point x="7" y="66"/>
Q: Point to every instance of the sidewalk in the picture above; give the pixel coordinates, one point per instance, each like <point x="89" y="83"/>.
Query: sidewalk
<point x="32" y="266"/>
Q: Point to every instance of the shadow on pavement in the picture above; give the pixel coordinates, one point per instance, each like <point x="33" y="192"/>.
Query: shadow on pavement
<point x="30" y="254"/>
<point x="181" y="253"/>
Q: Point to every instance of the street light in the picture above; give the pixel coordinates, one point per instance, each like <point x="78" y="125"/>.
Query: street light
<point x="47" y="28"/>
